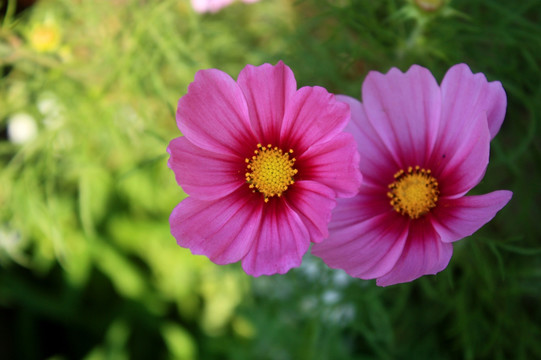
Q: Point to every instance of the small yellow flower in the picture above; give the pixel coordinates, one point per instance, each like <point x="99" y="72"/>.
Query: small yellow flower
<point x="44" y="37"/>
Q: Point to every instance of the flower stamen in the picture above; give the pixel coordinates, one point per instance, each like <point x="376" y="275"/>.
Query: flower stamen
<point x="270" y="171"/>
<point x="414" y="192"/>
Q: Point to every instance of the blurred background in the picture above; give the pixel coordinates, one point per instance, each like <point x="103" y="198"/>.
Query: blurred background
<point x="88" y="268"/>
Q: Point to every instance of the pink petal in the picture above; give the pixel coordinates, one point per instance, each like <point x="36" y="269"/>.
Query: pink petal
<point x="423" y="254"/>
<point x="455" y="219"/>
<point x="313" y="115"/>
<point x="204" y="174"/>
<point x="202" y="6"/>
<point x="365" y="247"/>
<point x="223" y="230"/>
<point x="460" y="157"/>
<point x="267" y="90"/>
<point x="378" y="163"/>
<point x="214" y="115"/>
<point x="281" y="242"/>
<point x="313" y="202"/>
<point x="335" y="164"/>
<point x="404" y="110"/>
<point x="469" y="94"/>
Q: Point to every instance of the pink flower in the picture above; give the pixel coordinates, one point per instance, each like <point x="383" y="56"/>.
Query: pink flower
<point x="262" y="163"/>
<point x="423" y="148"/>
<point x="203" y="6"/>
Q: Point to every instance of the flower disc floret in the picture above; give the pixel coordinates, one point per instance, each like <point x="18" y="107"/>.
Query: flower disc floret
<point x="414" y="192"/>
<point x="270" y="171"/>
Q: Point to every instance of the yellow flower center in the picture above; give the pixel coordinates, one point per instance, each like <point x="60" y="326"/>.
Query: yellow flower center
<point x="270" y="171"/>
<point x="414" y="192"/>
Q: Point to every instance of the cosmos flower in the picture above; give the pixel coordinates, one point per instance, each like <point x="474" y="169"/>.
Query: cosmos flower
<point x="212" y="6"/>
<point x="423" y="147"/>
<point x="262" y="163"/>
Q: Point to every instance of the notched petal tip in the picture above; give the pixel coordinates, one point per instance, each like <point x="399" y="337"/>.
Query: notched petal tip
<point x="479" y="95"/>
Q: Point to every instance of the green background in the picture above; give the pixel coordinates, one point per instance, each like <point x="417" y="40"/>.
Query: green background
<point x="88" y="268"/>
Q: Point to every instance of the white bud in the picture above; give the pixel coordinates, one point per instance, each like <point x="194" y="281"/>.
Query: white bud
<point x="22" y="128"/>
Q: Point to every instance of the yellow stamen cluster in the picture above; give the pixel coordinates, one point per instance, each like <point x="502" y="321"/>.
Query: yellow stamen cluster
<point x="270" y="171"/>
<point x="414" y="192"/>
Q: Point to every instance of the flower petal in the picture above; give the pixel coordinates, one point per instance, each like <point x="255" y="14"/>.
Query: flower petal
<point x="455" y="219"/>
<point x="214" y="115"/>
<point x="335" y="164"/>
<point x="223" y="230"/>
<point x="363" y="246"/>
<point x="313" y="115"/>
<point x="202" y="6"/>
<point x="204" y="174"/>
<point x="424" y="253"/>
<point x="313" y="202"/>
<point x="468" y="94"/>
<point x="281" y="242"/>
<point x="404" y="110"/>
<point x="460" y="157"/>
<point x="378" y="163"/>
<point x="267" y="90"/>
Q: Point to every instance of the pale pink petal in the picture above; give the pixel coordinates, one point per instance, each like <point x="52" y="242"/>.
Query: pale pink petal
<point x="378" y="163"/>
<point x="203" y="6"/>
<point x="404" y="110"/>
<point x="466" y="95"/>
<point x="214" y="115"/>
<point x="204" y="174"/>
<point x="460" y="157"/>
<point x="267" y="90"/>
<point x="455" y="219"/>
<point x="223" y="230"/>
<point x="335" y="164"/>
<point x="424" y="254"/>
<point x="313" y="202"/>
<point x="281" y="242"/>
<point x="366" y="249"/>
<point x="312" y="116"/>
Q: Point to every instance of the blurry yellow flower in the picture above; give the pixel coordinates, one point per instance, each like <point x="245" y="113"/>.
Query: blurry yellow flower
<point x="44" y="37"/>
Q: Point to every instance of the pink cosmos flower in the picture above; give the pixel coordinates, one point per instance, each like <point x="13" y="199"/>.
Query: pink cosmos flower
<point x="262" y="163"/>
<point x="212" y="6"/>
<point x="423" y="148"/>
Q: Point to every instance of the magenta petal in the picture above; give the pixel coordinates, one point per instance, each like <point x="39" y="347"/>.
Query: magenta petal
<point x="335" y="164"/>
<point x="204" y="174"/>
<point x="267" y="90"/>
<point x="223" y="230"/>
<point x="313" y="202"/>
<point x="468" y="94"/>
<point x="455" y="219"/>
<point x="378" y="163"/>
<point x="313" y="115"/>
<point x="281" y="242"/>
<point x="364" y="247"/>
<point x="214" y="115"/>
<point x="460" y="157"/>
<point x="404" y="110"/>
<point x="423" y="254"/>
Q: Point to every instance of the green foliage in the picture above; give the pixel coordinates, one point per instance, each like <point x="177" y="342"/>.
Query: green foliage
<point x="88" y="268"/>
